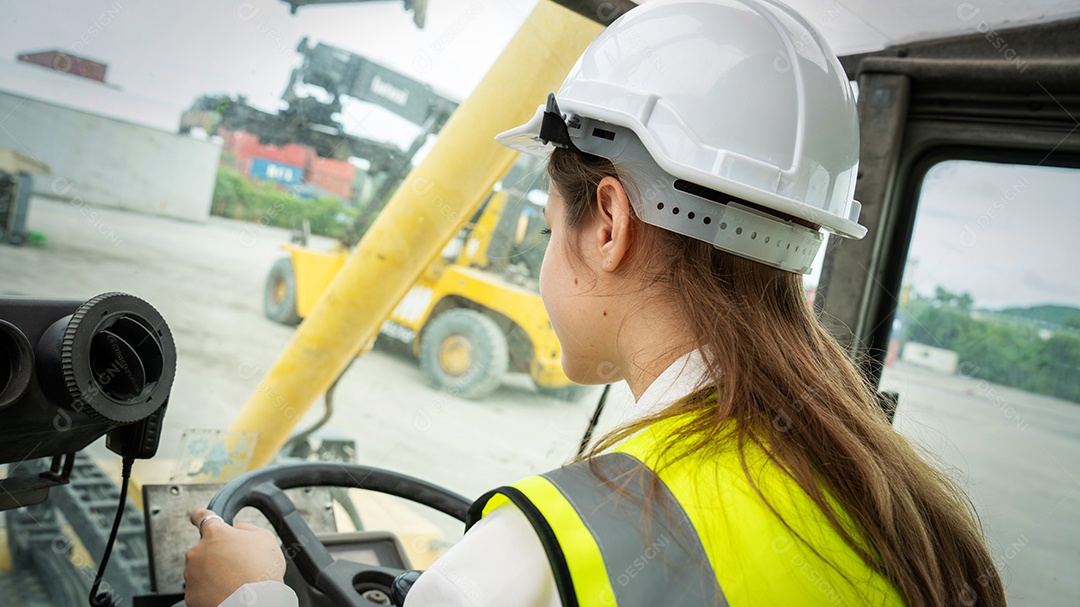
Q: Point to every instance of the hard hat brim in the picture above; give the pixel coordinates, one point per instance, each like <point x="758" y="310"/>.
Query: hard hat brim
<point x="526" y="137"/>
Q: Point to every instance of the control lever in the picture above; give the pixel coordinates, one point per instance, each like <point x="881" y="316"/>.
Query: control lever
<point x="403" y="583"/>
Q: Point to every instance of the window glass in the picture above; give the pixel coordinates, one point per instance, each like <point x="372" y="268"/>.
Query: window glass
<point x="183" y="151"/>
<point x="985" y="355"/>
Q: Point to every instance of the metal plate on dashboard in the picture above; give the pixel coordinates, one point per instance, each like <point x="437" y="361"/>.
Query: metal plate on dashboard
<point x="170" y="534"/>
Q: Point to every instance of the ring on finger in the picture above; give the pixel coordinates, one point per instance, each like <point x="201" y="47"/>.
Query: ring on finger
<point x="207" y="518"/>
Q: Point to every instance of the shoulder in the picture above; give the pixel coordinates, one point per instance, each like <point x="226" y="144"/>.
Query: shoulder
<point x="499" y="562"/>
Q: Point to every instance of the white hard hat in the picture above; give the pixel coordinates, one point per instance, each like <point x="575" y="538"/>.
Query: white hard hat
<point x="740" y="97"/>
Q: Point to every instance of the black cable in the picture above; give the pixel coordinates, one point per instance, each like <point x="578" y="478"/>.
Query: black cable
<point x="106" y="599"/>
<point x="328" y="412"/>
<point x="592" y="422"/>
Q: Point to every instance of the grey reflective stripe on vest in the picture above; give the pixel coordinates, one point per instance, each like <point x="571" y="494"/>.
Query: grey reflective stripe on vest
<point x="652" y="553"/>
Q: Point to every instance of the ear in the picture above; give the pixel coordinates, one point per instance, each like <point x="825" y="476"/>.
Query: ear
<point x="613" y="223"/>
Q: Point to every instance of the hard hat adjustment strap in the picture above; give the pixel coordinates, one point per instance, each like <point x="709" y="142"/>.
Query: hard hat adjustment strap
<point x="726" y="224"/>
<point x="734" y="228"/>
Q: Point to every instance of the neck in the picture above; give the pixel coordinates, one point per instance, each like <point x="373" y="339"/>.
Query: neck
<point x="649" y="342"/>
<point x="643" y="377"/>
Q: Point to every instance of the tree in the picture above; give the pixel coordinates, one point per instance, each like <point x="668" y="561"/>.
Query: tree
<point x="1006" y="350"/>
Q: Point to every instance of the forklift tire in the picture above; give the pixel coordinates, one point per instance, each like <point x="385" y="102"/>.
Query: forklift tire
<point x="279" y="298"/>
<point x="570" y="393"/>
<point x="465" y="352"/>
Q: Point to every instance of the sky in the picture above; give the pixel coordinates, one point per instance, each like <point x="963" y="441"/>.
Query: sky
<point x="173" y="52"/>
<point x="1005" y="233"/>
<point x="1002" y="234"/>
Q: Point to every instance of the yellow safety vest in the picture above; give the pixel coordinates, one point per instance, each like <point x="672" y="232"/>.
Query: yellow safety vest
<point x="706" y="537"/>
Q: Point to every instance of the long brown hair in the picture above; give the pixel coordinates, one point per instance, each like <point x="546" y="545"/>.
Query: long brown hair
<point x="792" y="391"/>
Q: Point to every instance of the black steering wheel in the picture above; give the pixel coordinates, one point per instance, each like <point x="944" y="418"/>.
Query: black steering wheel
<point x="341" y="581"/>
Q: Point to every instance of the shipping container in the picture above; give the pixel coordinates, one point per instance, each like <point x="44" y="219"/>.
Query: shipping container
<point x="243" y="152"/>
<point x="334" y="176"/>
<point x="269" y="170"/>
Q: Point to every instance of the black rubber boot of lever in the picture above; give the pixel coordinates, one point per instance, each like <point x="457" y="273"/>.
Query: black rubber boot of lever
<point x="402" y="585"/>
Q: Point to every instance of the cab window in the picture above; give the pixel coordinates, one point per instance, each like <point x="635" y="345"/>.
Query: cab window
<point x="985" y="354"/>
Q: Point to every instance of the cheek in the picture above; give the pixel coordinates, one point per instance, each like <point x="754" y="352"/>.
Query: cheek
<point x="559" y="291"/>
<point x="567" y="308"/>
<point x="548" y="282"/>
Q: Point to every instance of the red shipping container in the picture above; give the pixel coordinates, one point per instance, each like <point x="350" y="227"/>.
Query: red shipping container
<point x="334" y="176"/>
<point x="245" y="145"/>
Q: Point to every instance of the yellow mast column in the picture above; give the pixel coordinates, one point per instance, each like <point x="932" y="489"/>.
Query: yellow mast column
<point x="429" y="207"/>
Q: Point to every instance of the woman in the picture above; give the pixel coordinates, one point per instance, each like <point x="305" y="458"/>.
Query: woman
<point x="703" y="148"/>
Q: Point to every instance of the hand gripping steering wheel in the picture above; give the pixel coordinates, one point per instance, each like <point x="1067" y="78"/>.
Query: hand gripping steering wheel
<point x="343" y="582"/>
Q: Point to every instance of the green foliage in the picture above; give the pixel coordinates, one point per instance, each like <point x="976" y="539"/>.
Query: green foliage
<point x="1000" y="348"/>
<point x="237" y="198"/>
<point x="1066" y="316"/>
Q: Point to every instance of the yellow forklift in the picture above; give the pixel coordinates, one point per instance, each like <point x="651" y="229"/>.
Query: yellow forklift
<point x="475" y="313"/>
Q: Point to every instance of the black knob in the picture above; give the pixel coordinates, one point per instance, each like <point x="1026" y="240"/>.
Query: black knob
<point x="113" y="359"/>
<point x="402" y="585"/>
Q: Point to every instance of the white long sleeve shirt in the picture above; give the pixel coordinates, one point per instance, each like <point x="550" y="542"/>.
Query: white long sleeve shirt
<point x="500" y="562"/>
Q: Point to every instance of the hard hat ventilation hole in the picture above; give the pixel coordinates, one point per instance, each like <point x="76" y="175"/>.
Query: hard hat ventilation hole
<point x="723" y="225"/>
<point x="660" y="206"/>
<point x="675" y="210"/>
<point x="690" y="215"/>
<point x="707" y="220"/>
<point x="702" y="192"/>
<point x="753" y="235"/>
<point x="602" y="134"/>
<point x="738" y="230"/>
<point x="766" y="240"/>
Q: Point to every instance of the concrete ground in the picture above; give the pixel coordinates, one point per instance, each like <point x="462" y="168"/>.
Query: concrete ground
<point x="1018" y="454"/>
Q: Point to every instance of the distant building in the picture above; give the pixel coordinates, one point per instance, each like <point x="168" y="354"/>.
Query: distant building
<point x="65" y="89"/>
<point x="107" y="148"/>
<point x="67" y="63"/>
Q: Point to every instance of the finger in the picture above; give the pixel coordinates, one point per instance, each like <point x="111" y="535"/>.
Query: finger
<point x="247" y="527"/>
<point x="205" y="520"/>
<point x="198" y="514"/>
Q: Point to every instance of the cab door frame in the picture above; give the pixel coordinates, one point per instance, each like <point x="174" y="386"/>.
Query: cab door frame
<point x="1009" y="96"/>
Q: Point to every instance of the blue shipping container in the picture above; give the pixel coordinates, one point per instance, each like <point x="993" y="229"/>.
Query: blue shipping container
<point x="275" y="171"/>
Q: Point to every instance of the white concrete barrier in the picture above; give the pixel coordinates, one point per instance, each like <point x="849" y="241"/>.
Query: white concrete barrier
<point x="929" y="357"/>
<point x="105" y="162"/>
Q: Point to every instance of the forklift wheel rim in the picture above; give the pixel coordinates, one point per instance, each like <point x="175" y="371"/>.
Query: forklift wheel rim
<point x="456" y="355"/>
